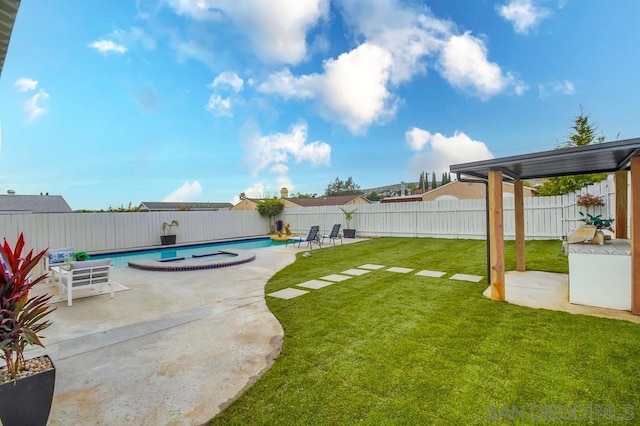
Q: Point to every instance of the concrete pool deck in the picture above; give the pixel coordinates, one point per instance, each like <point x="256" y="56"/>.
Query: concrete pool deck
<point x="175" y="348"/>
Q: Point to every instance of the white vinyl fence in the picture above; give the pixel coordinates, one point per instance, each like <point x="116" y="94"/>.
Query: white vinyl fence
<point x="94" y="232"/>
<point x="545" y="218"/>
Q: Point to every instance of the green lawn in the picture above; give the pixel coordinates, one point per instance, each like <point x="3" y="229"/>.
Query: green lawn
<point x="388" y="348"/>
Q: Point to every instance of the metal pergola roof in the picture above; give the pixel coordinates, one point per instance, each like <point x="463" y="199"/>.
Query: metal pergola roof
<point x="595" y="158"/>
<point x="8" y="12"/>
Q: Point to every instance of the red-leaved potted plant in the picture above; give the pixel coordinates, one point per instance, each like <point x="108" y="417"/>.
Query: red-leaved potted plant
<point x="26" y="386"/>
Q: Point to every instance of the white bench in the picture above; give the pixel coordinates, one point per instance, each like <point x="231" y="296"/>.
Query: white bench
<point x="84" y="274"/>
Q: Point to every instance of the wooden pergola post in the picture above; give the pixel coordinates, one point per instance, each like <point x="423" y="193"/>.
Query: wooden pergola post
<point x="620" y="222"/>
<point x="521" y="259"/>
<point x="635" y="235"/>
<point x="496" y="235"/>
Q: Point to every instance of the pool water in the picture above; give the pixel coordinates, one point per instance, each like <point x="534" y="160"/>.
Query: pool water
<point x="121" y="260"/>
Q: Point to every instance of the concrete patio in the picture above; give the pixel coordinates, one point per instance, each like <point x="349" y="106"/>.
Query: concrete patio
<point x="175" y="348"/>
<point x="548" y="290"/>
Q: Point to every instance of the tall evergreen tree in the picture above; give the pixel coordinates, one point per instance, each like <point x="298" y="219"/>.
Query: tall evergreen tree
<point x="584" y="133"/>
<point x="433" y="180"/>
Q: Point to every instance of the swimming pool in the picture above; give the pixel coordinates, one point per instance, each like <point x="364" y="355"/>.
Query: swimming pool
<point x="122" y="259"/>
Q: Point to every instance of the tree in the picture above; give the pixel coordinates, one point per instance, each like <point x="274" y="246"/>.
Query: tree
<point x="374" y="196"/>
<point x="584" y="133"/>
<point x="446" y="178"/>
<point x="433" y="180"/>
<point x="301" y="195"/>
<point x="339" y="187"/>
<point x="270" y="207"/>
<point x="242" y="196"/>
<point x="422" y="184"/>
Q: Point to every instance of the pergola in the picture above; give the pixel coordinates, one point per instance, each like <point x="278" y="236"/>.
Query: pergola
<point x="617" y="157"/>
<point x="8" y="12"/>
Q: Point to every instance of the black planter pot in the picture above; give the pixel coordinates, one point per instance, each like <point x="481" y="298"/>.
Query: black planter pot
<point x="349" y="233"/>
<point x="167" y="240"/>
<point x="28" y="400"/>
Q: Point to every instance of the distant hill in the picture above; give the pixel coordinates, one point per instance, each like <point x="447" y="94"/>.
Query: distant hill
<point x="387" y="190"/>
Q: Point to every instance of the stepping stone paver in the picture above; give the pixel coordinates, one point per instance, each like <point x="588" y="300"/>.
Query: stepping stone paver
<point x="427" y="273"/>
<point x="371" y="266"/>
<point x="465" y="277"/>
<point x="400" y="270"/>
<point x="355" y="272"/>
<point x="287" y="293"/>
<point x="335" y="278"/>
<point x="314" y="284"/>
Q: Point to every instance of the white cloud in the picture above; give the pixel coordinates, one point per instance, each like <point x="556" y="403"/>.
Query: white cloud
<point x="277" y="28"/>
<point x="136" y="35"/>
<point x="276" y="150"/>
<point x="263" y="190"/>
<point x="108" y="46"/>
<point x="192" y="49"/>
<point x="187" y="192"/>
<point x="524" y="15"/>
<point x="280" y="169"/>
<point x="256" y="190"/>
<point x="417" y="138"/>
<point x="465" y="65"/>
<point x="565" y="87"/>
<point x="25" y="84"/>
<point x="438" y="152"/>
<point x="219" y="106"/>
<point x="357" y="88"/>
<point x="227" y="78"/>
<point x="285" y="84"/>
<point x="352" y="90"/>
<point x="409" y="35"/>
<point x="118" y="40"/>
<point x="34" y="105"/>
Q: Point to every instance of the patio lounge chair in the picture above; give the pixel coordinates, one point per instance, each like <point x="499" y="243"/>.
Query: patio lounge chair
<point x="334" y="234"/>
<point x="311" y="238"/>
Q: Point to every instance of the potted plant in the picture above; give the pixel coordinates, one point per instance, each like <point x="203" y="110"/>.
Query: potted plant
<point x="600" y="224"/>
<point x="588" y="200"/>
<point x="26" y="386"/>
<point x="168" y="238"/>
<point x="348" y="232"/>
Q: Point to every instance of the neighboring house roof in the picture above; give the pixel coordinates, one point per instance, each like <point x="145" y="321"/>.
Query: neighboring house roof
<point x="340" y="200"/>
<point x="308" y="202"/>
<point x="34" y="204"/>
<point x="455" y="190"/>
<point x="175" y="206"/>
<point x="252" y="203"/>
<point x="401" y="198"/>
<point x="8" y="12"/>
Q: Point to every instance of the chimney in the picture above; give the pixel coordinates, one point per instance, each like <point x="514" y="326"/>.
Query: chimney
<point x="284" y="193"/>
<point x="11" y="192"/>
<point x="402" y="188"/>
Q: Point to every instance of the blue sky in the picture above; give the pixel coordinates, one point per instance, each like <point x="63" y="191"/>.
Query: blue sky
<point x="111" y="102"/>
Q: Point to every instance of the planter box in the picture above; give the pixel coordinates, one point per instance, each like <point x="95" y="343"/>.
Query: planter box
<point x="349" y="233"/>
<point x="28" y="400"/>
<point x="167" y="240"/>
<point x="600" y="275"/>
